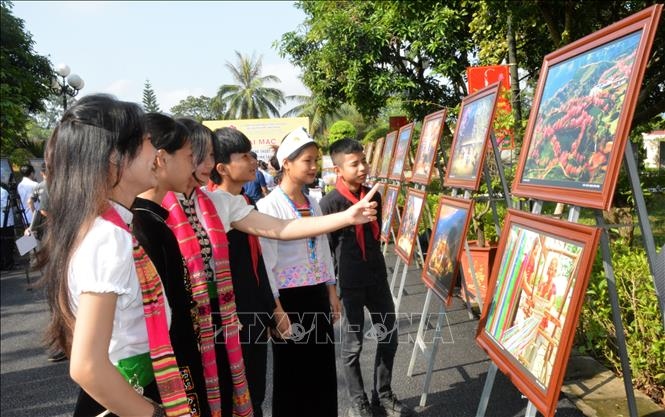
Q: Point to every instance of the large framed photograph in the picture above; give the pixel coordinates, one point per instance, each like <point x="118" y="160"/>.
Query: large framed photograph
<point x="368" y="149"/>
<point x="582" y="113"/>
<point x="408" y="227"/>
<point x="388" y="208"/>
<point x="430" y="135"/>
<point x="387" y="154"/>
<point x="470" y="139"/>
<point x="535" y="296"/>
<point x="401" y="152"/>
<point x="442" y="263"/>
<point x="6" y="172"/>
<point x="376" y="157"/>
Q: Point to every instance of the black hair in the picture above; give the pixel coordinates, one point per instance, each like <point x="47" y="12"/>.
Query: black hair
<point x="229" y="141"/>
<point x="344" y="147"/>
<point x="200" y="136"/>
<point x="96" y="137"/>
<point x="165" y="133"/>
<point x="27" y="170"/>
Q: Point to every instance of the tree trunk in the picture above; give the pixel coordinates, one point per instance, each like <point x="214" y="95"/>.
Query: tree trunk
<point x="514" y="76"/>
<point x="622" y="216"/>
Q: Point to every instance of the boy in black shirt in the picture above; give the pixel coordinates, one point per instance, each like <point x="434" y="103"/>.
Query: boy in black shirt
<point x="363" y="282"/>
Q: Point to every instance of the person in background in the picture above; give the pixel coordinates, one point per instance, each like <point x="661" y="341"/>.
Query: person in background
<point x="255" y="300"/>
<point x="109" y="313"/>
<point x="25" y="189"/>
<point x="270" y="180"/>
<point x="256" y="188"/>
<point x="304" y="375"/>
<point x="363" y="282"/>
<point x="7" y="230"/>
<point x="38" y="204"/>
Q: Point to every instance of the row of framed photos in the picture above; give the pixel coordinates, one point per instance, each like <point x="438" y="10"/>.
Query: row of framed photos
<point x="577" y="130"/>
<point x="572" y="151"/>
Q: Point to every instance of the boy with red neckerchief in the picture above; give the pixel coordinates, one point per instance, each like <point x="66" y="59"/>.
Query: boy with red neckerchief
<point x="363" y="282"/>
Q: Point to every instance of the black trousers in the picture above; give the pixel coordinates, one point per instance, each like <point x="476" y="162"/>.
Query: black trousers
<point x="379" y="302"/>
<point x="7" y="248"/>
<point x="304" y="377"/>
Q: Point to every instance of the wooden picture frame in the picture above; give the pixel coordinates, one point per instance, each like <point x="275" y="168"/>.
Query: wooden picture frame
<point x="376" y="157"/>
<point x="408" y="227"/>
<point x="388" y="207"/>
<point x="368" y="149"/>
<point x="583" y="109"/>
<point x="534" y="298"/>
<point x="430" y="135"/>
<point x="387" y="154"/>
<point x="442" y="262"/>
<point x="402" y="148"/>
<point x="474" y="124"/>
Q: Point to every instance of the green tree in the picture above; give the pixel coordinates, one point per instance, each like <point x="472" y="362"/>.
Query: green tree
<point x="200" y="108"/>
<point x="250" y="98"/>
<point x="149" y="98"/>
<point x="25" y="79"/>
<point x="341" y="129"/>
<point x="365" y="52"/>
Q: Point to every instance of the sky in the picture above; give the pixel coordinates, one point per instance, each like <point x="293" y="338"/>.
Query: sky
<point x="181" y="47"/>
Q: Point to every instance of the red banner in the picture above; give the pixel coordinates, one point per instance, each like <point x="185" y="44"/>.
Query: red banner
<point x="481" y="77"/>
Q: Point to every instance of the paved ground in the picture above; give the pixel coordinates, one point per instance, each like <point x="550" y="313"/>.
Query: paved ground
<point x="31" y="386"/>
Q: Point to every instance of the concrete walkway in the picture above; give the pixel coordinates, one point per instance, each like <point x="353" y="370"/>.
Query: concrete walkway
<point x="31" y="386"/>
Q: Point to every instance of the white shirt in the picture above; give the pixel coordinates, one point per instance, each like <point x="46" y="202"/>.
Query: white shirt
<point x="230" y="208"/>
<point x="24" y="189"/>
<point x="289" y="261"/>
<point x="4" y="201"/>
<point x="104" y="263"/>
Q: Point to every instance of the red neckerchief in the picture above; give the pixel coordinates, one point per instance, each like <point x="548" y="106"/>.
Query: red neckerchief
<point x="360" y="234"/>
<point x="254" y="247"/>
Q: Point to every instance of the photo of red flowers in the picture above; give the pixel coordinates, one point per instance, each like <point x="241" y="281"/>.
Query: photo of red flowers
<point x="583" y="109"/>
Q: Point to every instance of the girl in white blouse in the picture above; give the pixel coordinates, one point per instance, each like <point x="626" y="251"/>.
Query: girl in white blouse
<point x="99" y="159"/>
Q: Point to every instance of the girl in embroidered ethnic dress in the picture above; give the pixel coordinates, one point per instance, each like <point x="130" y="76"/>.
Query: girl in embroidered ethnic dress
<point x="304" y="376"/>
<point x="173" y="169"/>
<point x="109" y="312"/>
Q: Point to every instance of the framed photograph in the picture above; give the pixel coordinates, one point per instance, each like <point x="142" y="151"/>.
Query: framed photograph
<point x="376" y="157"/>
<point x="470" y="139"/>
<point x="442" y="263"/>
<point x="533" y="302"/>
<point x="430" y="135"/>
<point x="369" y="147"/>
<point x="387" y="154"/>
<point x="5" y="171"/>
<point x="37" y="165"/>
<point x="583" y="108"/>
<point x="388" y="207"/>
<point x="408" y="227"/>
<point x="382" y="191"/>
<point x="401" y="152"/>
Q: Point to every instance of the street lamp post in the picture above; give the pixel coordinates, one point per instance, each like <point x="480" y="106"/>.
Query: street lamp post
<point x="66" y="84"/>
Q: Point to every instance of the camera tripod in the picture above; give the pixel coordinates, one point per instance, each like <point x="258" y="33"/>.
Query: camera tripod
<point x="13" y="209"/>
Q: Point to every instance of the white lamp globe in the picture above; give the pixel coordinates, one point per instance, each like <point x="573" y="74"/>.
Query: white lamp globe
<point x="75" y="81"/>
<point x="63" y="70"/>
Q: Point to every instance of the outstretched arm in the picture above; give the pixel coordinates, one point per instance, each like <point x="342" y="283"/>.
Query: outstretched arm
<point x="263" y="225"/>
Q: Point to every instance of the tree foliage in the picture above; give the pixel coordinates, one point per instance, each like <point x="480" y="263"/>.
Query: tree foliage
<point x="365" y="52"/>
<point x="541" y="27"/>
<point x="250" y="98"/>
<point x="25" y="78"/>
<point x="149" y="98"/>
<point x="341" y="129"/>
<point x="200" y="108"/>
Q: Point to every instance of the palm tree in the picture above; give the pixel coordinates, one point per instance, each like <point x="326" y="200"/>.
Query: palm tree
<point x="319" y="122"/>
<point x="249" y="98"/>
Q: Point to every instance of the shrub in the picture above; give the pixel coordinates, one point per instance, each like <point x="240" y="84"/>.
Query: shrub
<point x="645" y="337"/>
<point x="341" y="129"/>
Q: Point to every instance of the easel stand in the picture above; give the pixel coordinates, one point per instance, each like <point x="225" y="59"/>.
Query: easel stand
<point x="649" y="244"/>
